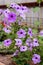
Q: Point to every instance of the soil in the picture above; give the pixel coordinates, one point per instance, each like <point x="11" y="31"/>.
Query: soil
<point x="5" y="59"/>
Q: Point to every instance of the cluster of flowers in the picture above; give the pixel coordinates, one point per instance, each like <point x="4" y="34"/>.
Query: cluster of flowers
<point x="30" y="42"/>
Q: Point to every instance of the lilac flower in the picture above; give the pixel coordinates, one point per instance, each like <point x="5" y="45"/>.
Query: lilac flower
<point x="7" y="42"/>
<point x="23" y="48"/>
<point x="30" y="32"/>
<point x="36" y="59"/>
<point x="35" y="42"/>
<point x="11" y="17"/>
<point x="5" y="29"/>
<point x="41" y="33"/>
<point x="21" y="33"/>
<point x="29" y="42"/>
<point x="16" y="53"/>
<point x="18" y="42"/>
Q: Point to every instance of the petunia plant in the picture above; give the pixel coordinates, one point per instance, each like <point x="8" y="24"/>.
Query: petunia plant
<point x="26" y="47"/>
<point x="24" y="42"/>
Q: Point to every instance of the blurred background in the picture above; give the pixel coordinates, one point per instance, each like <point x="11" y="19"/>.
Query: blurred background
<point x="17" y="1"/>
<point x="35" y="13"/>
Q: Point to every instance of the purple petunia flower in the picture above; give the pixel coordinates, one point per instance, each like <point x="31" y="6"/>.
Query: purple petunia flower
<point x="14" y="5"/>
<point x="30" y="32"/>
<point x="16" y="53"/>
<point x="41" y="33"/>
<point x="7" y="42"/>
<point x="35" y="42"/>
<point x="23" y="48"/>
<point x="36" y="59"/>
<point x="18" y="42"/>
<point x="17" y="8"/>
<point x="11" y="17"/>
<point x="5" y="29"/>
<point x="24" y="9"/>
<point x="21" y="33"/>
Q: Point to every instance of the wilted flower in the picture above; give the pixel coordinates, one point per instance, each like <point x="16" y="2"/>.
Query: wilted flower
<point x="30" y="48"/>
<point x="6" y="23"/>
<point x="18" y="42"/>
<point x="19" y="22"/>
<point x="23" y="48"/>
<point x="30" y="32"/>
<point x="16" y="53"/>
<point x="21" y="33"/>
<point x="5" y="29"/>
<point x="36" y="59"/>
<point x="35" y="42"/>
<point x="7" y="42"/>
<point x="29" y="42"/>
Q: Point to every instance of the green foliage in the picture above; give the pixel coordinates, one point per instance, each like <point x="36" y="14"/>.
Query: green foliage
<point x="23" y="56"/>
<point x="39" y="1"/>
